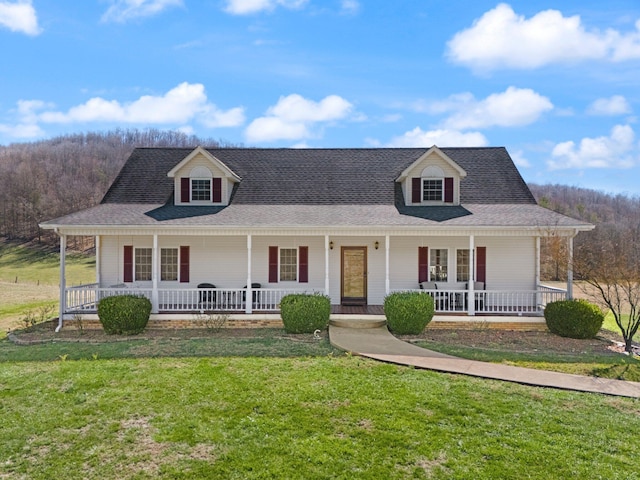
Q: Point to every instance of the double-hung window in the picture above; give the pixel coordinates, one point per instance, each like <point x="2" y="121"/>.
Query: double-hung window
<point x="288" y="264"/>
<point x="438" y="265"/>
<point x="201" y="189"/>
<point x="142" y="264"/>
<point x="432" y="189"/>
<point x="462" y="265"/>
<point x="169" y="264"/>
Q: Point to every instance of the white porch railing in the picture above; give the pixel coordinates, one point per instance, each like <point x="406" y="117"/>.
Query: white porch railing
<point x="84" y="298"/>
<point x="495" y="301"/>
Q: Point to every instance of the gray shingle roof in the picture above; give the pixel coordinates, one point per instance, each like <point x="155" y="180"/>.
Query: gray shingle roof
<point x="320" y="176"/>
<point x="319" y="188"/>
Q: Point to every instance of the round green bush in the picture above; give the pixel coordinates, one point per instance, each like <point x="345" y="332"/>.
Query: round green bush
<point x="573" y="318"/>
<point x="124" y="314"/>
<point x="408" y="313"/>
<point x="305" y="313"/>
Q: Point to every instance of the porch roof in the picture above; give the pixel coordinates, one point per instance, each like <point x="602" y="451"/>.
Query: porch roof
<point x="478" y="216"/>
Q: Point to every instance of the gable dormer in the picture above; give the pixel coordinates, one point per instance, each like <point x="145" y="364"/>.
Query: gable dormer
<point x="433" y="179"/>
<point x="202" y="179"/>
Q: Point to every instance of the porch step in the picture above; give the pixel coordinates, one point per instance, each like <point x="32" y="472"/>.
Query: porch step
<point x="357" y="323"/>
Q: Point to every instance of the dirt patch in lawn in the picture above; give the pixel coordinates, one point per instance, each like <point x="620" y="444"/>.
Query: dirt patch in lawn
<point x="45" y="332"/>
<point x="534" y="342"/>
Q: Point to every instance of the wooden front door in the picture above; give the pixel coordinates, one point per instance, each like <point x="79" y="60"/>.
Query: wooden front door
<point x="353" y="289"/>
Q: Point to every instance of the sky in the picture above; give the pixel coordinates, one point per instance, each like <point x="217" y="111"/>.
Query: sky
<point x="555" y="82"/>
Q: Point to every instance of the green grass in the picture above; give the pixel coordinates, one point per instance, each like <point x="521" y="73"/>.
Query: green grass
<point x="300" y="418"/>
<point x="21" y="264"/>
<point x="265" y="343"/>
<point x="29" y="279"/>
<point x="610" y="324"/>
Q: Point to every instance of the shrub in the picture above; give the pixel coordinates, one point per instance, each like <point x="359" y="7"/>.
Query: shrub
<point x="408" y="313"/>
<point x="305" y="313"/>
<point x="573" y="318"/>
<point x="124" y="314"/>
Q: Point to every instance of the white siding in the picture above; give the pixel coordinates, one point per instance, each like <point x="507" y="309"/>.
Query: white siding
<point x="201" y="161"/>
<point x="416" y="171"/>
<point x="222" y="261"/>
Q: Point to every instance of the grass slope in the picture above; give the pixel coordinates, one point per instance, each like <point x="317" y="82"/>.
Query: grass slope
<point x="29" y="279"/>
<point x="299" y="418"/>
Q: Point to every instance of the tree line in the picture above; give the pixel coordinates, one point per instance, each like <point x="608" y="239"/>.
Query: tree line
<point x="51" y="178"/>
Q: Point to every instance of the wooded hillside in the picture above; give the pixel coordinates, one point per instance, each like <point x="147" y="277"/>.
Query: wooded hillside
<point x="50" y="178"/>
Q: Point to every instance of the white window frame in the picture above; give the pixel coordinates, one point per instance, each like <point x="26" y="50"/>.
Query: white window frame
<point x="297" y="270"/>
<point x="135" y="264"/>
<point x="163" y="264"/>
<point x="432" y="267"/>
<point x="432" y="179"/>
<point x="468" y="265"/>
<point x="191" y="189"/>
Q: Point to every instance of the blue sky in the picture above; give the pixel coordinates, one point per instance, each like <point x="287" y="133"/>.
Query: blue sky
<point x="556" y="83"/>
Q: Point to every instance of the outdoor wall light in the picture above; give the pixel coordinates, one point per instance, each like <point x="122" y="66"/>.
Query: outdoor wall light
<point x="376" y="245"/>
<point x="331" y="245"/>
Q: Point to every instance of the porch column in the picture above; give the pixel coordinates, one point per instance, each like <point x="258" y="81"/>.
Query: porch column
<point x="326" y="265"/>
<point x="570" y="269"/>
<point x="98" y="261"/>
<point x="471" y="295"/>
<point x="248" y="307"/>
<point x="63" y="280"/>
<point x="154" y="275"/>
<point x="387" y="283"/>
<point x="537" y="279"/>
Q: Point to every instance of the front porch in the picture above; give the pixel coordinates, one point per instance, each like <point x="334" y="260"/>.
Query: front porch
<point x="83" y="299"/>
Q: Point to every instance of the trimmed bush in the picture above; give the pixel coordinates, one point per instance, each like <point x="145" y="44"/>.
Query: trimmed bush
<point x="573" y="318"/>
<point x="408" y="313"/>
<point x="305" y="313"/>
<point x="124" y="314"/>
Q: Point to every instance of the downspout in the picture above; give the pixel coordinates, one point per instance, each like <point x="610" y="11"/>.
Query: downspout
<point x="570" y="268"/>
<point x="63" y="279"/>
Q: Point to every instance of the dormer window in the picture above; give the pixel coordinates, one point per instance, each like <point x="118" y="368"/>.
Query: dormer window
<point x="200" y="189"/>
<point x="432" y="189"/>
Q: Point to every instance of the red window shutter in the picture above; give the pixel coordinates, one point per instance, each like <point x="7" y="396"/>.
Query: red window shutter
<point x="416" y="187"/>
<point x="448" y="190"/>
<point x="481" y="264"/>
<point x="216" y="192"/>
<point x="304" y="264"/>
<point x="273" y="264"/>
<point x="185" y="193"/>
<point x="128" y="264"/>
<point x="423" y="264"/>
<point x="184" y="264"/>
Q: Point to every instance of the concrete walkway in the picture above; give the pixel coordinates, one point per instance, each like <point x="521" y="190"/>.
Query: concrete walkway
<point x="379" y="344"/>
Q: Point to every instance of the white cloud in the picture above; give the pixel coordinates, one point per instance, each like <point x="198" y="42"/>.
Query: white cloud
<point x="22" y="130"/>
<point x="294" y="117"/>
<point x="122" y="11"/>
<point x="442" y="138"/>
<point x="503" y="39"/>
<point x="618" y="150"/>
<point x="615" y="105"/>
<point x="19" y="16"/>
<point x="181" y="104"/>
<point x="514" y="107"/>
<point x="246" y="7"/>
<point x="519" y="159"/>
<point x="350" y="7"/>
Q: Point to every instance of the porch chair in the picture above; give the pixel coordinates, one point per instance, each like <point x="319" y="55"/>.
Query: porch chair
<point x="255" y="295"/>
<point x="206" y="297"/>
<point x="478" y="288"/>
<point x="438" y="298"/>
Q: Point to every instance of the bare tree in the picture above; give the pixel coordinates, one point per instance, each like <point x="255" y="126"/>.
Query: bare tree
<point x="611" y="266"/>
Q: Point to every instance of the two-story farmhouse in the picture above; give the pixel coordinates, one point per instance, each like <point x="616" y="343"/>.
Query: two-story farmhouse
<point x="233" y="230"/>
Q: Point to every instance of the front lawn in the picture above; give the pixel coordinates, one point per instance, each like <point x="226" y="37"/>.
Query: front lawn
<point x="298" y="418"/>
